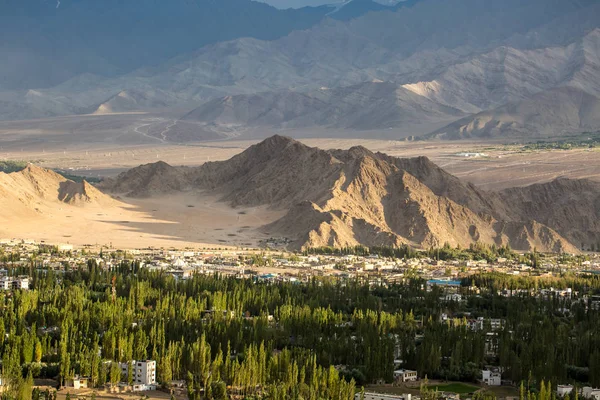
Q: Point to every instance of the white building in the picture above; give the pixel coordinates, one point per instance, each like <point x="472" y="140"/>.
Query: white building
<point x="590" y="393"/>
<point x="405" y="375"/>
<point x="563" y="390"/>
<point x="495" y="324"/>
<point x="381" y="396"/>
<point x="8" y="283"/>
<point x="5" y="283"/>
<point x="491" y="377"/>
<point x="144" y="374"/>
<point x="453" y="297"/>
<point x="77" y="382"/>
<point x="21" y="282"/>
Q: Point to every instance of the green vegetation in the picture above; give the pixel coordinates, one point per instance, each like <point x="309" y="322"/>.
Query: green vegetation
<point x="320" y="339"/>
<point x="12" y="166"/>
<point x="474" y="252"/>
<point x="403" y="251"/>
<point x="585" y="140"/>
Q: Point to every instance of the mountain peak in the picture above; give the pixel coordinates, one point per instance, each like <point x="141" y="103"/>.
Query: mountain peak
<point x="360" y="151"/>
<point x="35" y="172"/>
<point x="277" y="142"/>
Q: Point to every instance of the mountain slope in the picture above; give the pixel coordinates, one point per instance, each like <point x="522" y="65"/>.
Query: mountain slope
<point x="148" y="180"/>
<point x="47" y="42"/>
<point x="508" y="75"/>
<point x="32" y="189"/>
<point x="510" y="46"/>
<point x="570" y="206"/>
<point x="134" y="100"/>
<point x="550" y="113"/>
<point x="373" y="105"/>
<point x="348" y="197"/>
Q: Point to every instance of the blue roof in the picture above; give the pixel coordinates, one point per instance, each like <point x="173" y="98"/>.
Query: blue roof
<point x="443" y="282"/>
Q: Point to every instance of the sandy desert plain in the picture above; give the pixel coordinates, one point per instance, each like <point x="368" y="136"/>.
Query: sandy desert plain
<point x="103" y="146"/>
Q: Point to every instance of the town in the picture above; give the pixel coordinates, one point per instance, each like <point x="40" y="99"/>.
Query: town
<point x="454" y="284"/>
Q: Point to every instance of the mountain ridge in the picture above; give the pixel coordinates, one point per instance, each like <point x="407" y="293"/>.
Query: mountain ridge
<point x="524" y="39"/>
<point x="349" y="197"/>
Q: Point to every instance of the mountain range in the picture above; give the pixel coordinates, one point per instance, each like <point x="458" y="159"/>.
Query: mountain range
<point x="349" y="197"/>
<point x="436" y="68"/>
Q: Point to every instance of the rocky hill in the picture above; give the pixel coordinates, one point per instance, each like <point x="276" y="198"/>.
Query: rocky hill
<point x="572" y="207"/>
<point x="30" y="190"/>
<point x="347" y="197"/>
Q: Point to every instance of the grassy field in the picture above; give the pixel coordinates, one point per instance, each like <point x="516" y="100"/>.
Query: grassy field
<point x="460" y="388"/>
<point x="504" y="391"/>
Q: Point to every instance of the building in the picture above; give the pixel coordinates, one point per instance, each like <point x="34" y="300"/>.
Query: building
<point x="491" y="377"/>
<point x="144" y="374"/>
<point x="563" y="390"/>
<point x="405" y="375"/>
<point x="444" y="283"/>
<point x="381" y="396"/>
<point x="77" y="382"/>
<point x="453" y="297"/>
<point x="590" y="393"/>
<point x="481" y="323"/>
<point x="22" y="282"/>
<point x="9" y="283"/>
<point x="492" y="344"/>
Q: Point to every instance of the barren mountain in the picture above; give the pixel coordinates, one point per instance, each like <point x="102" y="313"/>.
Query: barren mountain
<point x="572" y="207"/>
<point x="508" y="75"/>
<point x="347" y="197"/>
<point x="372" y="105"/>
<point x="31" y="190"/>
<point x="47" y="42"/>
<point x="472" y="55"/>
<point x="134" y="100"/>
<point x="531" y="92"/>
<point x="148" y="180"/>
<point x="550" y="113"/>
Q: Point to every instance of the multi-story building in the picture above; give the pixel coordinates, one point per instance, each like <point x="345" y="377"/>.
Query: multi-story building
<point x="22" y="282"/>
<point x="144" y="374"/>
<point x="405" y="375"/>
<point x="491" y="377"/>
<point x="5" y="283"/>
<point x="8" y="283"/>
